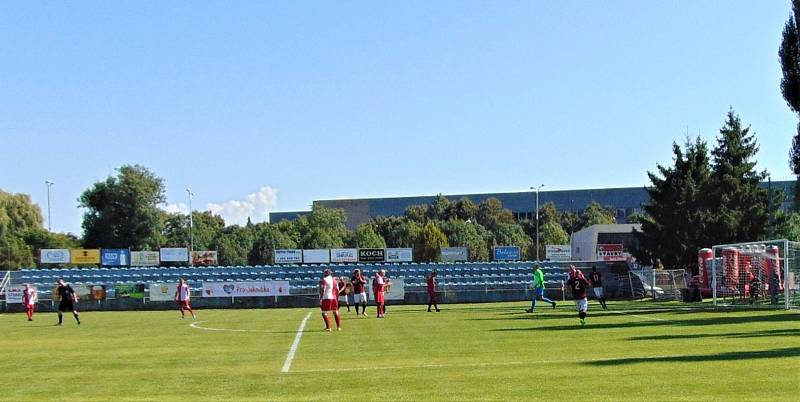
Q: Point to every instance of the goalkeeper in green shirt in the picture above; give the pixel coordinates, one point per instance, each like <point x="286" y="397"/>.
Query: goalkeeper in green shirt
<point x="538" y="288"/>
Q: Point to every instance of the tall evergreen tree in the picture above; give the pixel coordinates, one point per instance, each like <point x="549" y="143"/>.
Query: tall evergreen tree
<point x="677" y="214"/>
<point x="789" y="55"/>
<point x="740" y="204"/>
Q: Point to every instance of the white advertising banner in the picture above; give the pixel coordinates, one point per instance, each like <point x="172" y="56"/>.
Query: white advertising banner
<point x="175" y="254"/>
<point x="163" y="291"/>
<point x="558" y="252"/>
<point x="245" y="289"/>
<point x="288" y="256"/>
<point x="54" y="256"/>
<point x="396" y="290"/>
<point x="399" y="255"/>
<point x="344" y="255"/>
<point x="144" y="258"/>
<point x="14" y="295"/>
<point x="319" y="256"/>
<point x="453" y="254"/>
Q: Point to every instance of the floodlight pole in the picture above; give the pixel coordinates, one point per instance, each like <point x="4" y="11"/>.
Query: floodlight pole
<point x="49" y="184"/>
<point x="191" y="228"/>
<point x="537" y="219"/>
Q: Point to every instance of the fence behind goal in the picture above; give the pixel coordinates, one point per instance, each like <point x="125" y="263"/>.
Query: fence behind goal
<point x="755" y="273"/>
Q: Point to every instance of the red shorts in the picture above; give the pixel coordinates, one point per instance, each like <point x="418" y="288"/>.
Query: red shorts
<point x="329" y="305"/>
<point x="184" y="305"/>
<point x="380" y="298"/>
<point x="30" y="307"/>
<point x="431" y="295"/>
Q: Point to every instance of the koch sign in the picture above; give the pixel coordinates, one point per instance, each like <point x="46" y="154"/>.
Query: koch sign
<point x="558" y="252"/>
<point x="371" y="254"/>
<point x="506" y="253"/>
<point x="115" y="257"/>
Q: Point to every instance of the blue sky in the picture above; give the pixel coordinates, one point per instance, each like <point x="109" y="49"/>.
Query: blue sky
<point x="261" y="106"/>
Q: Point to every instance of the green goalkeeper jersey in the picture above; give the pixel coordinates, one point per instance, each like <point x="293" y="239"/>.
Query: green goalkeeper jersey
<point x="538" y="279"/>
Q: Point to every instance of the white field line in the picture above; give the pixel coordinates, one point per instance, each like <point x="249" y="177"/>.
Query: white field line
<point x="289" y="357"/>
<point x="196" y="325"/>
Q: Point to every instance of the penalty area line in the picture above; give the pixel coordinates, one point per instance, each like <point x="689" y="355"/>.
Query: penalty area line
<point x="292" y="350"/>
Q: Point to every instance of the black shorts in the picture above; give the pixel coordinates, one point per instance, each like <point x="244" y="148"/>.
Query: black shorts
<point x="66" y="305"/>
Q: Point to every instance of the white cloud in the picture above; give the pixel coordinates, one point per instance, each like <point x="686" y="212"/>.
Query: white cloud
<point x="179" y="207"/>
<point x="256" y="206"/>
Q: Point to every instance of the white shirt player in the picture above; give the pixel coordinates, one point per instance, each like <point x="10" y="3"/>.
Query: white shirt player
<point x="327" y="288"/>
<point x="183" y="292"/>
<point x="30" y="296"/>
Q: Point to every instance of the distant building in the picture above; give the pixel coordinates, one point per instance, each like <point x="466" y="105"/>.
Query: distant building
<point x="625" y="201"/>
<point x="584" y="242"/>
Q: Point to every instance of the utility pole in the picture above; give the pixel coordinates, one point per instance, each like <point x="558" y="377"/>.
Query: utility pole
<point x="191" y="227"/>
<point x="537" y="219"/>
<point x="49" y="184"/>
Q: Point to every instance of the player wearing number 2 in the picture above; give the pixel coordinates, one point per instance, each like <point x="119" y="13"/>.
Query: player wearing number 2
<point x="578" y="284"/>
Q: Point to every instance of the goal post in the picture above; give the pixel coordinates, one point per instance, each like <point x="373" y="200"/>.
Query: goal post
<point x="761" y="273"/>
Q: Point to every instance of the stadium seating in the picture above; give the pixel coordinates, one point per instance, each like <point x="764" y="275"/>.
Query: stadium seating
<point x="302" y="279"/>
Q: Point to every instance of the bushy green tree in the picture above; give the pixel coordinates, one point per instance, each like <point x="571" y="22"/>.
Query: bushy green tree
<point x="365" y="236"/>
<point x="268" y="238"/>
<point x="461" y="233"/>
<point x="429" y="243"/>
<point x="595" y="214"/>
<point x="322" y="228"/>
<point x="122" y="211"/>
<point x="491" y="214"/>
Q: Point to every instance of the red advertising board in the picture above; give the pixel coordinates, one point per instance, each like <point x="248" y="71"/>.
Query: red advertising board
<point x="611" y="252"/>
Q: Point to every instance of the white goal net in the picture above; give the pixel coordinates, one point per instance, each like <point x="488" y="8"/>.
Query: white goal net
<point x="755" y="273"/>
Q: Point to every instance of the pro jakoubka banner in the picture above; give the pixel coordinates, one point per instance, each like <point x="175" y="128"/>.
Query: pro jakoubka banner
<point x="245" y="289"/>
<point x="163" y="291"/>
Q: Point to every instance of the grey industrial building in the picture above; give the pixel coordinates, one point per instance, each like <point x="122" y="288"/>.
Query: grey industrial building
<point x="625" y="201"/>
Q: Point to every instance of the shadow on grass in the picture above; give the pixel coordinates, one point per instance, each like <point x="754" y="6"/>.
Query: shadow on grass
<point x="727" y="356"/>
<point x="754" y="334"/>
<point x="676" y="322"/>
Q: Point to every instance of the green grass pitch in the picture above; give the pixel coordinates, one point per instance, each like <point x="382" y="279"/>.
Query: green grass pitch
<point x="636" y="351"/>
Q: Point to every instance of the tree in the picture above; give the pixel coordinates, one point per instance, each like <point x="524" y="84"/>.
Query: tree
<point x="233" y="245"/>
<point x="417" y="213"/>
<point x="570" y="221"/>
<point x="740" y="204"/>
<point x="553" y="234"/>
<point x="429" y="243"/>
<point x="636" y="217"/>
<point x="122" y="211"/>
<point x="268" y="238"/>
<point x="21" y="232"/>
<point x="465" y="209"/>
<point x="491" y="214"/>
<point x="677" y="217"/>
<point x="509" y="234"/>
<point x="322" y="228"/>
<point x="366" y="237"/>
<point x="441" y="209"/>
<point x="206" y="227"/>
<point x="789" y="55"/>
<point x="397" y="231"/>
<point x="463" y="234"/>
<point x="594" y="214"/>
